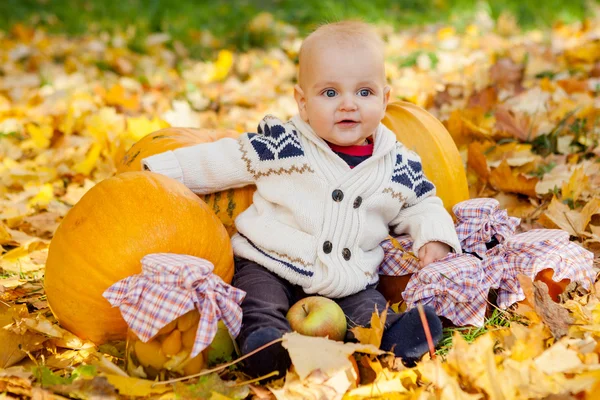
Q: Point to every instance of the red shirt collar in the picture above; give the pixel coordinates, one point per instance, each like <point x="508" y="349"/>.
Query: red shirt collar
<point x="356" y="150"/>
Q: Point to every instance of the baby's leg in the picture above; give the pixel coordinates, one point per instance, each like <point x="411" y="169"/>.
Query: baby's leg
<point x="359" y="308"/>
<point x="268" y="298"/>
<point x="404" y="333"/>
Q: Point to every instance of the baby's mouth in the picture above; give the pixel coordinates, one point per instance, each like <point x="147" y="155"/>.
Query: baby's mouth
<point x="347" y="123"/>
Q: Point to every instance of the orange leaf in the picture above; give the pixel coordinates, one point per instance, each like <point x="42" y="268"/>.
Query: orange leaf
<point x="477" y="162"/>
<point x="117" y="96"/>
<point x="573" y="85"/>
<point x="373" y="334"/>
<point x="503" y="179"/>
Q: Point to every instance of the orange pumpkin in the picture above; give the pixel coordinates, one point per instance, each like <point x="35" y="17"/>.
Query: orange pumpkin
<point x="227" y="204"/>
<point x="105" y="235"/>
<point x="426" y="135"/>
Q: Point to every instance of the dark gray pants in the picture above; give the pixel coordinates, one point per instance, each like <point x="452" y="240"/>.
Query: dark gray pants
<point x="269" y="297"/>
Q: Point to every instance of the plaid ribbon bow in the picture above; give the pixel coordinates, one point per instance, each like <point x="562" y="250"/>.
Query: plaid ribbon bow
<point x="398" y="258"/>
<point x="454" y="286"/>
<point x="531" y="252"/>
<point x="479" y="221"/>
<point x="171" y="285"/>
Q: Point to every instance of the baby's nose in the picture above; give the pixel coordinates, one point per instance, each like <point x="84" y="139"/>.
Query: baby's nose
<point x="347" y="103"/>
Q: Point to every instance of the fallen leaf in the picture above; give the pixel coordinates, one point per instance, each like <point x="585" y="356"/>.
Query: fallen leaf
<point x="374" y="333"/>
<point x="476" y="160"/>
<point x="554" y="316"/>
<point x="575" y="222"/>
<point x="311" y="353"/>
<point x="96" y="388"/>
<point x="514" y="124"/>
<point x="558" y="358"/>
<point x="317" y="385"/>
<point x="127" y="386"/>
<point x="502" y="178"/>
<point x="578" y="183"/>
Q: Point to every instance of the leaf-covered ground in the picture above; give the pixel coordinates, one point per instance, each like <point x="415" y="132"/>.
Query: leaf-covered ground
<point x="523" y="107"/>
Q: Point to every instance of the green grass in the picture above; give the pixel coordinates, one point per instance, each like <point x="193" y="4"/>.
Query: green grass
<point x="227" y="20"/>
<point x="498" y="320"/>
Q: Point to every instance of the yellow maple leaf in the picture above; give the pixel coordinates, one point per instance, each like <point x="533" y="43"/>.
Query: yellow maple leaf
<point x="86" y="166"/>
<point x="43" y="197"/>
<point x="40" y="135"/>
<point x="373" y="334"/>
<point x="223" y="65"/>
<point x="136" y="387"/>
<point x="138" y="127"/>
<point x="578" y="183"/>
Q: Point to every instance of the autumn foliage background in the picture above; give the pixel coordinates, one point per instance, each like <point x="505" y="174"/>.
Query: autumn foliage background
<point x="516" y="84"/>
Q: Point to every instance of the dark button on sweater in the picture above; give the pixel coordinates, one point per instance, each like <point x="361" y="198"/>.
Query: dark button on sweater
<point x="346" y="254"/>
<point x="337" y="195"/>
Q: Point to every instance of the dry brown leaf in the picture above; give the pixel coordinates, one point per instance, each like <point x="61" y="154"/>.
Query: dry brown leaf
<point x="507" y="73"/>
<point x="96" y="388"/>
<point x="502" y="178"/>
<point x="575" y="222"/>
<point x="15" y="385"/>
<point x="15" y="345"/>
<point x="515" y="124"/>
<point x="485" y="99"/>
<point x="554" y="316"/>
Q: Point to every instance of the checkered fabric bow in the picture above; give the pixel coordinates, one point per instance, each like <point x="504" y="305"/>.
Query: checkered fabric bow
<point x="479" y="221"/>
<point x="531" y="252"/>
<point x="454" y="286"/>
<point x="171" y="285"/>
<point x="398" y="258"/>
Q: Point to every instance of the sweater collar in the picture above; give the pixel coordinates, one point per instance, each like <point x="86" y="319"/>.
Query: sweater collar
<point x="383" y="138"/>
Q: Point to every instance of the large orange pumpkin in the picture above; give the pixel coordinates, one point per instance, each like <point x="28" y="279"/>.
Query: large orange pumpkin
<point x="227" y="204"/>
<point x="104" y="236"/>
<point x="423" y="133"/>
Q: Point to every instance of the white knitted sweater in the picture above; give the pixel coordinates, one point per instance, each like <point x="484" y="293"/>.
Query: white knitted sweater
<point x="315" y="221"/>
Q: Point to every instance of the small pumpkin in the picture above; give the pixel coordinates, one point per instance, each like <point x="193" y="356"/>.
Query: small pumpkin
<point x="104" y="236"/>
<point x="227" y="204"/>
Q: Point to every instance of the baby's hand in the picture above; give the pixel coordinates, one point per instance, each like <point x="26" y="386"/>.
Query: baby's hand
<point x="432" y="251"/>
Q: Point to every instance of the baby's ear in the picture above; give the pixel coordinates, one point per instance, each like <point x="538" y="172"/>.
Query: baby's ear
<point x="386" y="95"/>
<point x="300" y="101"/>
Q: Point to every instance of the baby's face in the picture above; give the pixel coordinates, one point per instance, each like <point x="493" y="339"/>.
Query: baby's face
<point x="342" y="93"/>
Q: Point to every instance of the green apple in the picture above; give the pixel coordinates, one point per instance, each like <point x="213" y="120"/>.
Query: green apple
<point x="221" y="348"/>
<point x="318" y="316"/>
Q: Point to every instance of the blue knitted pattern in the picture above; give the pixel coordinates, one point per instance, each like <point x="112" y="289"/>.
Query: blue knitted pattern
<point x="409" y="173"/>
<point x="275" y="142"/>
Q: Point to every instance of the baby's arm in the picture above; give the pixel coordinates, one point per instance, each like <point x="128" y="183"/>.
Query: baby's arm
<point x="427" y="221"/>
<point x="423" y="215"/>
<point x="204" y="168"/>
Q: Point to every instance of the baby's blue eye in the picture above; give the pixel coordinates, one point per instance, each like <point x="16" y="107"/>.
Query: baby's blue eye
<point x="365" y="92"/>
<point x="330" y="93"/>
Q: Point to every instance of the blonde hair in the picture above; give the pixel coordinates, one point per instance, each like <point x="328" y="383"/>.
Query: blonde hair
<point x="349" y="33"/>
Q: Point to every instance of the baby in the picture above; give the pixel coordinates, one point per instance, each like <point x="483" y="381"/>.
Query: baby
<point x="331" y="184"/>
